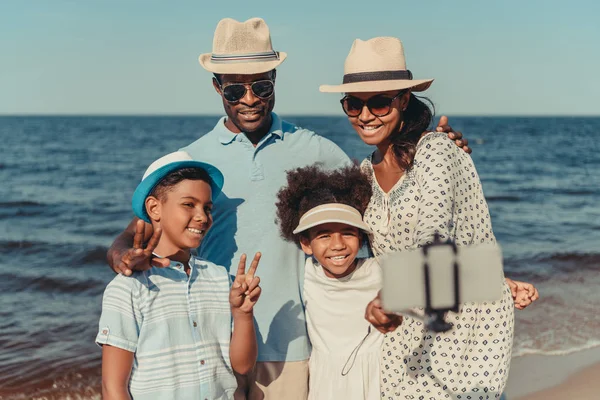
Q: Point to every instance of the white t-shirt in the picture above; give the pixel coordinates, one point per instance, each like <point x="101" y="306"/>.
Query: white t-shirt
<point x="342" y="340"/>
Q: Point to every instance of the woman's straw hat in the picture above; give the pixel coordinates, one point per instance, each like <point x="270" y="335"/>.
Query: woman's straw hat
<point x="377" y="65"/>
<point x="242" y="48"/>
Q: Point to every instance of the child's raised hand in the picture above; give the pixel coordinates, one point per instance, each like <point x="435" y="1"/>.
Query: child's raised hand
<point x="523" y="293"/>
<point x="245" y="291"/>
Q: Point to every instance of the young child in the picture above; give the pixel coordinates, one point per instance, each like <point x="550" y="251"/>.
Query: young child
<point x="166" y="332"/>
<point x="322" y="212"/>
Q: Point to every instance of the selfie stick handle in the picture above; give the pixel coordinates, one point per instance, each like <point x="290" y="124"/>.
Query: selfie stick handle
<point x="434" y="318"/>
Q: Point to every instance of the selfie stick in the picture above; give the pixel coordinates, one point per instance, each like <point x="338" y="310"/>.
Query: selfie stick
<point x="428" y="282"/>
<point x="434" y="318"/>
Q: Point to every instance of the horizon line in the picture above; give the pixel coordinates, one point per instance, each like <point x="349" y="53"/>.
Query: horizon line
<point x="160" y="115"/>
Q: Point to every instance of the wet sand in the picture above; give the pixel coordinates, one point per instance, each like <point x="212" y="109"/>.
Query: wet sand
<point x="571" y="376"/>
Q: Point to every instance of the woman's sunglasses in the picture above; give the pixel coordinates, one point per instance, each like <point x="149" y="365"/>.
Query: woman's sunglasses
<point x="234" y="92"/>
<point x="379" y="105"/>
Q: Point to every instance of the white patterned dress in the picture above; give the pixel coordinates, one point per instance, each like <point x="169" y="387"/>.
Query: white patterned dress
<point x="440" y="193"/>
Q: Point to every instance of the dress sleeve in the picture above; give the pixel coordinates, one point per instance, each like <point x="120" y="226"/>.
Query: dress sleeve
<point x="452" y="202"/>
<point x="120" y="321"/>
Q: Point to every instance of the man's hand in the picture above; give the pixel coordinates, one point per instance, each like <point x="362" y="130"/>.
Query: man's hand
<point x="245" y="290"/>
<point x="382" y="321"/>
<point x="461" y="142"/>
<point x="139" y="258"/>
<point x="523" y="293"/>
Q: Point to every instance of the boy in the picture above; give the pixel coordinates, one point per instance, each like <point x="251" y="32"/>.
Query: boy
<point x="166" y="332"/>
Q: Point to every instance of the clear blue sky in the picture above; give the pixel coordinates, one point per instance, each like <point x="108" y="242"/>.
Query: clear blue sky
<point x="140" y="57"/>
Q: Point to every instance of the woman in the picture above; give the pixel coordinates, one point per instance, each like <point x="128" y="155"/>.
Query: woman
<point x="423" y="184"/>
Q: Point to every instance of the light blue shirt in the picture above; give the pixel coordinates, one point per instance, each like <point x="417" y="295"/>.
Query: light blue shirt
<point x="245" y="222"/>
<point x="179" y="328"/>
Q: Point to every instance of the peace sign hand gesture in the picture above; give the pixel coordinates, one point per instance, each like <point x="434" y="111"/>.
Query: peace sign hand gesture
<point x="245" y="290"/>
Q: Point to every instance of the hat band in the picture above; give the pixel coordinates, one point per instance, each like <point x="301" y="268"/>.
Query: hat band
<point x="378" y="76"/>
<point x="250" y="57"/>
<point x="333" y="207"/>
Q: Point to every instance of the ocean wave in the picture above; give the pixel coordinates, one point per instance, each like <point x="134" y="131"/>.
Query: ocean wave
<point x="90" y="394"/>
<point x="48" y="284"/>
<point x="72" y="386"/>
<point x="20" y="249"/>
<point x="91" y="256"/>
<point x="586" y="258"/>
<point x="575" y="192"/>
<point x="20" y="203"/>
<point x="545" y="266"/>
<point x="19" y="244"/>
<point x="520" y="352"/>
<point x="74" y="252"/>
<point x="506" y="198"/>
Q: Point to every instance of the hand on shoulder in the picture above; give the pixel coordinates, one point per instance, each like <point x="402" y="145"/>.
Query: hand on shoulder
<point x="456" y="136"/>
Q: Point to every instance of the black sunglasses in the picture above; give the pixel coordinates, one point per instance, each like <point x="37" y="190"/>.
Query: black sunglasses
<point x="234" y="92"/>
<point x="379" y="105"/>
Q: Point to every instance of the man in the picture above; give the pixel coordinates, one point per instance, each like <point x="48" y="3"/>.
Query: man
<point x="253" y="148"/>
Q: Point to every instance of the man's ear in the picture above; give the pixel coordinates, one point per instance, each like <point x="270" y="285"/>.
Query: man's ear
<point x="153" y="208"/>
<point x="216" y="85"/>
<point x="305" y="244"/>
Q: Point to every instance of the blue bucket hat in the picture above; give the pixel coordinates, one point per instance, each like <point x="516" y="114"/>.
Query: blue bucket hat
<point x="164" y="166"/>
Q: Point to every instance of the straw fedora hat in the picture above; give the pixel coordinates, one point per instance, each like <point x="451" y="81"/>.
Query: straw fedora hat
<point x="377" y="65"/>
<point x="241" y="48"/>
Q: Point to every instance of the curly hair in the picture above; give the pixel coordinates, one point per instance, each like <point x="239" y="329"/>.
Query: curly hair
<point x="312" y="186"/>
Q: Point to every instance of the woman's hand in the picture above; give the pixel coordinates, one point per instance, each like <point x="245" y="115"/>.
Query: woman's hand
<point x="382" y="321"/>
<point x="523" y="293"/>
<point x="245" y="291"/>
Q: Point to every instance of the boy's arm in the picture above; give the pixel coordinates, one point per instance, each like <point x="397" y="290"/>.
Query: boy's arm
<point x="116" y="368"/>
<point x="243" y="349"/>
<point x="118" y="334"/>
<point x="127" y="253"/>
<point x="244" y="293"/>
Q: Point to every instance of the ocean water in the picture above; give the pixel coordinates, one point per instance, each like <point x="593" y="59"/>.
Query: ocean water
<point x="65" y="190"/>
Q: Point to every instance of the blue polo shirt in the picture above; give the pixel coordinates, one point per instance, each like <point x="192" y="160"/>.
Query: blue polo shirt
<point x="245" y="222"/>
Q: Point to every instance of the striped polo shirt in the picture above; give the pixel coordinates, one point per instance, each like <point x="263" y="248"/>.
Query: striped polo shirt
<point x="179" y="328"/>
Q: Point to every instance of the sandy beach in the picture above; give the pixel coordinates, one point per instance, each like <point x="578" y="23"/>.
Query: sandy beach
<point x="571" y="376"/>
